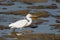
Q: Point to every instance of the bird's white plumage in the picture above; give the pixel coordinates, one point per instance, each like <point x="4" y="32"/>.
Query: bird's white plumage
<point x="22" y="23"/>
<point x="18" y="24"/>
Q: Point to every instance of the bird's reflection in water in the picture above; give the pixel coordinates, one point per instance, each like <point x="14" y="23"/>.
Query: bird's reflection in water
<point x="16" y="33"/>
<point x="17" y="36"/>
<point x="22" y="32"/>
<point x="13" y="36"/>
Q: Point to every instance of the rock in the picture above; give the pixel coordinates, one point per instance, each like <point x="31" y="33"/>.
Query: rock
<point x="21" y="12"/>
<point x="58" y="21"/>
<point x="18" y="12"/>
<point x="53" y="6"/>
<point x="57" y="26"/>
<point x="37" y="7"/>
<point x="26" y="2"/>
<point x="4" y="8"/>
<point x="29" y="1"/>
<point x="57" y="16"/>
<point x="35" y="18"/>
<point x="6" y="4"/>
<point x="25" y="12"/>
<point x="34" y="26"/>
<point x="3" y="27"/>
<point x="36" y="22"/>
<point x="57" y="0"/>
<point x="41" y="14"/>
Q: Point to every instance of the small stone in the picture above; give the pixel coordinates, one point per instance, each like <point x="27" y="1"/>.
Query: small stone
<point x="37" y="7"/>
<point x="57" y="26"/>
<point x="58" y="21"/>
<point x="6" y="4"/>
<point x="57" y="0"/>
<point x="57" y="16"/>
<point x="4" y="8"/>
<point x="34" y="26"/>
<point x="53" y="6"/>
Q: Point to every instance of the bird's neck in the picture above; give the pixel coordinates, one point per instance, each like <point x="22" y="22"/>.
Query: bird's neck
<point x="29" y="20"/>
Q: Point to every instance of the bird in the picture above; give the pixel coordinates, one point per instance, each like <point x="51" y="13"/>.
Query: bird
<point x="22" y="23"/>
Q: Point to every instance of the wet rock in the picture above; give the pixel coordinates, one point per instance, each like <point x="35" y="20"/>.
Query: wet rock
<point x="4" y="8"/>
<point x="58" y="17"/>
<point x="1" y="0"/>
<point x="37" y="7"/>
<point x="57" y="26"/>
<point x="53" y="6"/>
<point x="34" y="26"/>
<point x="26" y="2"/>
<point x="34" y="18"/>
<point x="6" y="4"/>
<point x="35" y="23"/>
<point x="25" y="12"/>
<point x="21" y="12"/>
<point x="58" y="1"/>
<point x="29" y="1"/>
<point x="18" y="12"/>
<point x="58" y="21"/>
<point x="39" y="21"/>
<point x="3" y="27"/>
<point x="52" y="28"/>
<point x="41" y="14"/>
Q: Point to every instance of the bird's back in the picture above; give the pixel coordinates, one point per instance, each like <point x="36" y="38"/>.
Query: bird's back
<point x="19" y="24"/>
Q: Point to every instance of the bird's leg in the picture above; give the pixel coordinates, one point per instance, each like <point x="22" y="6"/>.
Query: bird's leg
<point x="14" y="29"/>
<point x="21" y="30"/>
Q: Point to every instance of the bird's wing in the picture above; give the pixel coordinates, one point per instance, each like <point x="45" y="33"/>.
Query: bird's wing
<point x="20" y="23"/>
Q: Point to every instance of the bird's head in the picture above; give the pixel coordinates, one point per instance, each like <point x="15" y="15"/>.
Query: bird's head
<point x="29" y="15"/>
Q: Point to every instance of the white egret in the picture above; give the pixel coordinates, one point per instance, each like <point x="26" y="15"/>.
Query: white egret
<point x="22" y="23"/>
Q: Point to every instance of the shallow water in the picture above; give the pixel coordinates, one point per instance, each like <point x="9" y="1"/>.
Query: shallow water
<point x="43" y="28"/>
